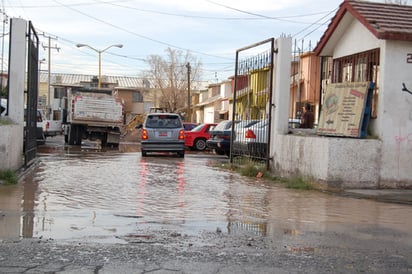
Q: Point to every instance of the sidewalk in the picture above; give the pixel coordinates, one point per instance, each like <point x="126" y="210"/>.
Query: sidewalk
<point x="400" y="196"/>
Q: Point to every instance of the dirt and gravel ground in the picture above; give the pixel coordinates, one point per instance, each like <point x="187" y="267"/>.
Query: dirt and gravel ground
<point x="160" y="252"/>
<point x="250" y="227"/>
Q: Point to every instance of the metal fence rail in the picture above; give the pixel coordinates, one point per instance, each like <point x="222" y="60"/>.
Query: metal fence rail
<point x="251" y="102"/>
<point x="30" y="143"/>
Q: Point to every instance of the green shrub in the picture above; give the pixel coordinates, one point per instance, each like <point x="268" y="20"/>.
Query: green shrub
<point x="9" y="177"/>
<point x="296" y="183"/>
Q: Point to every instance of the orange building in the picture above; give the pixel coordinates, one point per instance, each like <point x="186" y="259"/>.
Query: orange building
<point x="305" y="84"/>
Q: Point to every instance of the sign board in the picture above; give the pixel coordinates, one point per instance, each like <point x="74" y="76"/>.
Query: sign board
<point x="343" y="109"/>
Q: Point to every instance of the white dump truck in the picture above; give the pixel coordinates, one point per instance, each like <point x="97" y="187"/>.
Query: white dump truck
<point x="94" y="115"/>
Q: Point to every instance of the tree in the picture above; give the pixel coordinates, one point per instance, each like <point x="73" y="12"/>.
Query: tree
<point x="170" y="77"/>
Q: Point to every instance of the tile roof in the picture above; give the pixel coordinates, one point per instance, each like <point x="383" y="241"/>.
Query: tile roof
<point x="122" y="81"/>
<point x="76" y="79"/>
<point x="383" y="20"/>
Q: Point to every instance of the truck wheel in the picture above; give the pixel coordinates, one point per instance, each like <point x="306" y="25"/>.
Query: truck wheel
<point x="104" y="140"/>
<point x="200" y="144"/>
<point x="144" y="153"/>
<point x="79" y="135"/>
<point x="181" y="154"/>
<point x="70" y="136"/>
<point x="75" y="135"/>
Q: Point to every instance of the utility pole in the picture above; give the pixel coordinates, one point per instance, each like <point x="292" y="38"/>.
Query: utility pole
<point x="5" y="19"/>
<point x="188" y="92"/>
<point x="49" y="47"/>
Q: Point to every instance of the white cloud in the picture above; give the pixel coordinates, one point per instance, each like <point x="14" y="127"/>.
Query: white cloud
<point x="150" y="26"/>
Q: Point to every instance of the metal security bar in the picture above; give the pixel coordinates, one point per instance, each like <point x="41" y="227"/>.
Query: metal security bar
<point x="360" y="67"/>
<point x="251" y="100"/>
<point x="30" y="142"/>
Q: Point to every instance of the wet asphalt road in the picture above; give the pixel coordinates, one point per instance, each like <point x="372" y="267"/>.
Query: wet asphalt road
<point x="82" y="210"/>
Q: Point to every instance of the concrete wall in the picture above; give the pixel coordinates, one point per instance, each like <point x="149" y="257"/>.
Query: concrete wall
<point x="11" y="136"/>
<point x="395" y="115"/>
<point x="333" y="162"/>
<point x="11" y="147"/>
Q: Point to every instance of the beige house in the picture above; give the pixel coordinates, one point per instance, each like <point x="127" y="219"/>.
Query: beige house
<point x="213" y="104"/>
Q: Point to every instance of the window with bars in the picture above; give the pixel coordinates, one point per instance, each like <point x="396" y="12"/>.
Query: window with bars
<point x="360" y="67"/>
<point x="137" y="97"/>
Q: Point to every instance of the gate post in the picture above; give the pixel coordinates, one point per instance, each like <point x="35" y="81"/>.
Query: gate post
<point x="281" y="91"/>
<point x="17" y="68"/>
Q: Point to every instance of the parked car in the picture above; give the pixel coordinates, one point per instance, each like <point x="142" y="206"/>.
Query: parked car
<point x="163" y="132"/>
<point x="294" y="123"/>
<point x="3" y="106"/>
<point x="40" y="137"/>
<point x="220" y="136"/>
<point x="256" y="140"/>
<point x="239" y="134"/>
<point x="197" y="137"/>
<point x="189" y="126"/>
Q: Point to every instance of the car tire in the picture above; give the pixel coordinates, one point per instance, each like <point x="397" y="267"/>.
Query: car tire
<point x="200" y="144"/>
<point x="181" y="154"/>
<point x="144" y="153"/>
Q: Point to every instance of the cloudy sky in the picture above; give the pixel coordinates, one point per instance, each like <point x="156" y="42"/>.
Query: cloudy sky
<point x="212" y="30"/>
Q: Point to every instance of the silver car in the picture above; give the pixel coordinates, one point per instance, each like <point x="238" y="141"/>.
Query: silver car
<point x="163" y="132"/>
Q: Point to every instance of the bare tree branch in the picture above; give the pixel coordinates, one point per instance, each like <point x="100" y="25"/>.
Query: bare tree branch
<point x="170" y="76"/>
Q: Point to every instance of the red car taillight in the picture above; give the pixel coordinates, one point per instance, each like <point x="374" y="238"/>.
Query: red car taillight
<point x="250" y="134"/>
<point x="144" y="134"/>
<point x="181" y="134"/>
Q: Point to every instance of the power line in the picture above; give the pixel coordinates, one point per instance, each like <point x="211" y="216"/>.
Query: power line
<point x="285" y="18"/>
<point x="116" y="4"/>
<point x="257" y="16"/>
<point x="137" y="34"/>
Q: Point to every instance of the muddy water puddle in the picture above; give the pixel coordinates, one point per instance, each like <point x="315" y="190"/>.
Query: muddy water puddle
<point x="107" y="196"/>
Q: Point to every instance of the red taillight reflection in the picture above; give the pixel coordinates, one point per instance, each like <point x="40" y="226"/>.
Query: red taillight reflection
<point x="250" y="134"/>
<point x="144" y="134"/>
<point x="181" y="134"/>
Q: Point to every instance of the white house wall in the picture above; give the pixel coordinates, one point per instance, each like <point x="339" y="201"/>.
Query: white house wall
<point x="209" y="114"/>
<point x="395" y="114"/>
<point x="358" y="37"/>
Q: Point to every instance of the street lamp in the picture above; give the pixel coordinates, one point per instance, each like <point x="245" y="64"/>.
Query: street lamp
<point x="100" y="57"/>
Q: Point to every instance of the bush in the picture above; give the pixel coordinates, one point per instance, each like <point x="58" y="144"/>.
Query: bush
<point x="9" y="177"/>
<point x="296" y="183"/>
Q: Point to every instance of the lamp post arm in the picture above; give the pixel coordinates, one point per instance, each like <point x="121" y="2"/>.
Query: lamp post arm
<point x="85" y="45"/>
<point x="118" y="46"/>
<point x="100" y="58"/>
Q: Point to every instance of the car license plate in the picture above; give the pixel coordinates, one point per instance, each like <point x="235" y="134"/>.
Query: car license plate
<point x="163" y="134"/>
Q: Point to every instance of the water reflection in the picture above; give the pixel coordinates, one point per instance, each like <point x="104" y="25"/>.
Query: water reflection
<point x="103" y="196"/>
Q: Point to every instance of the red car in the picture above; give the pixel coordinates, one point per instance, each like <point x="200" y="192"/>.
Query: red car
<point x="196" y="138"/>
<point x="189" y="126"/>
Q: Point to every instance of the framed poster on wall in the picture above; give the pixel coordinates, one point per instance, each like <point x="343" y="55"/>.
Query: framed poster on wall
<point x="346" y="110"/>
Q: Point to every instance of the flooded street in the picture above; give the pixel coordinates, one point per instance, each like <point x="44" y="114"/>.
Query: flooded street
<point x="118" y="197"/>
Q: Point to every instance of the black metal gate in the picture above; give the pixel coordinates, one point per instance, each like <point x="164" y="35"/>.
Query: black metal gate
<point x="30" y="131"/>
<point x="252" y="99"/>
